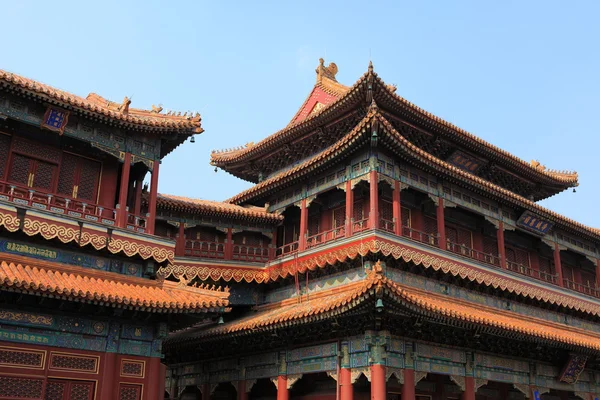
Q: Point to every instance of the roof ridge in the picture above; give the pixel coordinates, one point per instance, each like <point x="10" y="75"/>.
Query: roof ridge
<point x="567" y="176"/>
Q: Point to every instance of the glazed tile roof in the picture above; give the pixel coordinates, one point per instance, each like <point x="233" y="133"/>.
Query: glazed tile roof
<point x="387" y="92"/>
<point x="94" y="103"/>
<point x="336" y="301"/>
<point x="172" y="202"/>
<point x="338" y="149"/>
<point x="75" y="283"/>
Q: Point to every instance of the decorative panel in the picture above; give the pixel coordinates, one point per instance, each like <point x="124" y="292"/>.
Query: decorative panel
<point x="385" y="210"/>
<point x="36" y="149"/>
<point x="13" y="387"/>
<point x="19" y="170"/>
<point x="22" y="358"/>
<point x="89" y="175"/>
<point x="72" y="362"/>
<point x="130" y="392"/>
<point x="44" y="175"/>
<point x="66" y="177"/>
<point x="133" y="368"/>
<point x="319" y="351"/>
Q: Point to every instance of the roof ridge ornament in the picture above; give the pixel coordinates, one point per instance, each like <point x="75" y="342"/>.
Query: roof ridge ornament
<point x="328" y="72"/>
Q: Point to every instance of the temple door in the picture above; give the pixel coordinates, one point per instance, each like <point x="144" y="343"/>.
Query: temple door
<point x="4" y="150"/>
<point x="490" y="250"/>
<point x="359" y="216"/>
<point x="430" y="229"/>
<point x="31" y="172"/>
<point x="386" y="212"/>
<point x="546" y="268"/>
<point x="60" y="389"/>
<point x="79" y="177"/>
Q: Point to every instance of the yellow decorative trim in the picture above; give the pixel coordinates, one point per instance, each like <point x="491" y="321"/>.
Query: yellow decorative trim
<point x="10" y="222"/>
<point x="25" y="350"/>
<point x="66" y="234"/>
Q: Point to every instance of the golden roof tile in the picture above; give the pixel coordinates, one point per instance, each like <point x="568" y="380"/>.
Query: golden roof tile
<point x="173" y="202"/>
<point x="339" y="300"/>
<point x="116" y="111"/>
<point x="121" y="291"/>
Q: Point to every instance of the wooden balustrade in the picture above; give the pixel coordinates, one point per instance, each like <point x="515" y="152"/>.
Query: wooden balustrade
<point x="326" y="236"/>
<point x="387" y="225"/>
<point x="205" y="249"/>
<point x="58" y="204"/>
<point x="244" y="252"/>
<point x="472" y="253"/>
<point x="419" y="236"/>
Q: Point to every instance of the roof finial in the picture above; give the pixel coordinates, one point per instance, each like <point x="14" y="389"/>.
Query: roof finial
<point x="370" y="66"/>
<point x="328" y="72"/>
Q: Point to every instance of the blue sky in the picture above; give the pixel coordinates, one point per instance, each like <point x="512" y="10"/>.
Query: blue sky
<point x="521" y="75"/>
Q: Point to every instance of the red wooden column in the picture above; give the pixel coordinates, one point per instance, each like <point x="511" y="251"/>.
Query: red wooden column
<point x="598" y="274"/>
<point x="469" y="393"/>
<point x="282" y="389"/>
<point x="349" y="207"/>
<point x="153" y="198"/>
<point x="181" y="240"/>
<point x="441" y="224"/>
<point x="107" y="386"/>
<point x="229" y="245"/>
<point x="241" y="390"/>
<point x="557" y="265"/>
<point x="378" y="382"/>
<point x="408" y="387"/>
<point x="303" y="226"/>
<point x="397" y="209"/>
<point x="206" y="391"/>
<point x="501" y="248"/>
<point x="122" y="211"/>
<point x="373" y="200"/>
<point x="345" y="376"/>
<point x="162" y="381"/>
<point x="152" y="387"/>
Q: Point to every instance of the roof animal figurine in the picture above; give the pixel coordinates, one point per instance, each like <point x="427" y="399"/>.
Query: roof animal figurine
<point x="156" y="110"/>
<point x="327" y="72"/>
<point x="124" y="108"/>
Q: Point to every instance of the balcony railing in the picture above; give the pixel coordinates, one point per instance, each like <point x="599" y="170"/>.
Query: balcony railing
<point x="581" y="288"/>
<point x="286" y="249"/>
<point x="387" y="225"/>
<point x="57" y="204"/>
<point x="137" y="222"/>
<point x="360" y="225"/>
<point x="326" y="236"/>
<point x="204" y="249"/>
<point x="528" y="271"/>
<point x="467" y="251"/>
<point x="419" y="236"/>
<point x="244" y="252"/>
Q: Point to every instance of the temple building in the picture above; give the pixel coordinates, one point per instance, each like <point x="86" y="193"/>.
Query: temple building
<point x="82" y="313"/>
<point x="381" y="252"/>
<point x="384" y="252"/>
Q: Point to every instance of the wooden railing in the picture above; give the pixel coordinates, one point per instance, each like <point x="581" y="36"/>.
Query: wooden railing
<point x="360" y="225"/>
<point x="419" y="236"/>
<point x="244" y="252"/>
<point x="137" y="222"/>
<point x="581" y="288"/>
<point x="326" y="236"/>
<point x="57" y="204"/>
<point x="204" y="249"/>
<point x="472" y="253"/>
<point x="387" y="225"/>
<point x="528" y="271"/>
<point x="286" y="249"/>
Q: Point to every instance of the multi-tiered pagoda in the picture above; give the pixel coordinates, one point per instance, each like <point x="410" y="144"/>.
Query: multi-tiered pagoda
<point x="384" y="252"/>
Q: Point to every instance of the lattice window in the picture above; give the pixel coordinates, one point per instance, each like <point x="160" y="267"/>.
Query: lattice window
<point x="36" y="150"/>
<point x="465" y="238"/>
<point x="546" y="265"/>
<point x="313" y="224"/>
<point x="406" y="217"/>
<point x="81" y="391"/>
<point x="19" y="170"/>
<point x="339" y="217"/>
<point x="130" y="392"/>
<point x="76" y="363"/>
<point x="13" y="387"/>
<point x="490" y="245"/>
<point x="386" y="210"/>
<point x="43" y="175"/>
<point x="88" y="180"/>
<point x="522" y="257"/>
<point x="358" y="211"/>
<point x="22" y="358"/>
<point x="510" y="255"/>
<point x="452" y="235"/>
<point x="55" y="390"/>
<point x="4" y="149"/>
<point x="430" y="226"/>
<point x="132" y="368"/>
<point x="66" y="178"/>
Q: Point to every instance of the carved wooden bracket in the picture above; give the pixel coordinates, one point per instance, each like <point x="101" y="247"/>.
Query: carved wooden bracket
<point x="397" y="372"/>
<point x="459" y="380"/>
<point x="523" y="388"/>
<point x="419" y="376"/>
<point x="333" y="375"/>
<point x="479" y="383"/>
<point x="493" y="221"/>
<point x="249" y="384"/>
<point x="357" y="372"/>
